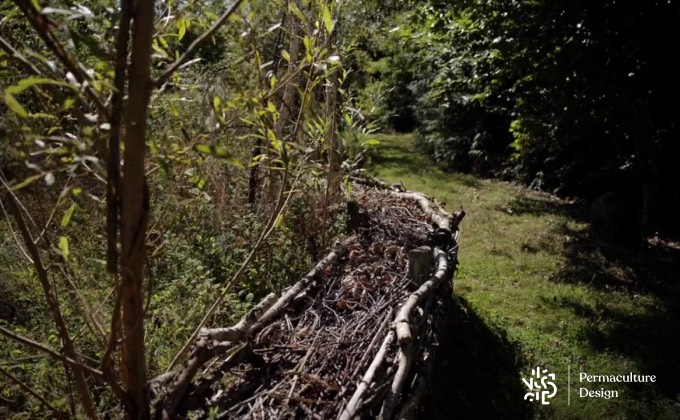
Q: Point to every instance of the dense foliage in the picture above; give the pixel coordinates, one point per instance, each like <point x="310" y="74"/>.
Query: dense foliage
<point x="577" y="97"/>
<point x="247" y="119"/>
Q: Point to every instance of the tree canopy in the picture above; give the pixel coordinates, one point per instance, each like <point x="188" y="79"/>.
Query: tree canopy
<point x="576" y="97"/>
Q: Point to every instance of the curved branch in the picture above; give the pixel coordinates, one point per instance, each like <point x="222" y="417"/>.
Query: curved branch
<point x="353" y="404"/>
<point x="402" y="321"/>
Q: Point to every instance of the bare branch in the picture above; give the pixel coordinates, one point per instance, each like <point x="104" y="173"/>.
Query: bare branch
<point x="353" y="405"/>
<point x="107" y="358"/>
<point x="53" y="304"/>
<point x="56" y="355"/>
<point x="402" y="321"/>
<point x="27" y="389"/>
<point x="14" y="235"/>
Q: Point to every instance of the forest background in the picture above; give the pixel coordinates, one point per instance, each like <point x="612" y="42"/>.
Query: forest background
<point x="166" y="164"/>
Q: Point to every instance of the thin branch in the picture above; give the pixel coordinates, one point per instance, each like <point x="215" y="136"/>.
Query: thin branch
<point x="54" y="210"/>
<point x="352" y="406"/>
<point x="53" y="305"/>
<point x="42" y="26"/>
<point x="107" y="359"/>
<point x="402" y="321"/>
<point x="194" y="45"/>
<point x="74" y="363"/>
<point x="32" y="69"/>
<point x="14" y="235"/>
<point x="91" y="319"/>
<point x="11" y="193"/>
<point x="58" y="414"/>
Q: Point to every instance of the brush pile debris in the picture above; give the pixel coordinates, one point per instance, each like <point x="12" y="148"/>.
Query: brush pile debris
<point x="354" y="338"/>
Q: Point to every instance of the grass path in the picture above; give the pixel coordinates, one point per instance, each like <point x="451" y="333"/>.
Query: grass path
<point x="533" y="290"/>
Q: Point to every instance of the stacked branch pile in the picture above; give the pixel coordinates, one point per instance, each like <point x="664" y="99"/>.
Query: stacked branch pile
<point x="355" y="337"/>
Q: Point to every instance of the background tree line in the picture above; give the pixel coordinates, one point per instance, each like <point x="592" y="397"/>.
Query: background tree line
<point x="575" y="97"/>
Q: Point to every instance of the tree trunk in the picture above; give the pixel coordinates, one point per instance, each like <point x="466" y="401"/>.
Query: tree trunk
<point x="135" y="210"/>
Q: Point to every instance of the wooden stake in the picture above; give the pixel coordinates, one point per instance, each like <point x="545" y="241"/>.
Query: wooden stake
<point x="419" y="262"/>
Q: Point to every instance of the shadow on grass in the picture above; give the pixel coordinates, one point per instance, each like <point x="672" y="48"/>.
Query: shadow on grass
<point x="650" y="336"/>
<point x="401" y="157"/>
<point x="476" y="371"/>
<point x="541" y="205"/>
<point x="398" y="155"/>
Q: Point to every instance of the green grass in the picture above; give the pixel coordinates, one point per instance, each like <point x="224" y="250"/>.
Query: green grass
<point x="534" y="290"/>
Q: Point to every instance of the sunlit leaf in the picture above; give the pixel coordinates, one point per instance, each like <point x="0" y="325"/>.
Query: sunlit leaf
<point x="279" y="221"/>
<point x="182" y="29"/>
<point x="33" y="81"/>
<point x="326" y="16"/>
<point x="63" y="246"/>
<point x="297" y="12"/>
<point x="160" y="50"/>
<point x="308" y="44"/>
<point x="14" y="105"/>
<point x="67" y="216"/>
<point x="26" y="182"/>
<point x="68" y="103"/>
<point x="218" y="152"/>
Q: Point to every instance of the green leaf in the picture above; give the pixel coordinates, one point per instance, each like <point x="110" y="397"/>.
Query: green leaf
<point x="216" y="102"/>
<point x="285" y="55"/>
<point x="68" y="103"/>
<point x="279" y="221"/>
<point x="182" y="28"/>
<point x="33" y="81"/>
<point x="159" y="50"/>
<point x="348" y="120"/>
<point x="372" y="142"/>
<point x="326" y="16"/>
<point x="67" y="216"/>
<point x="297" y="12"/>
<point x="218" y="152"/>
<point x="14" y="105"/>
<point x="63" y="246"/>
<point x="25" y="182"/>
<point x="308" y="44"/>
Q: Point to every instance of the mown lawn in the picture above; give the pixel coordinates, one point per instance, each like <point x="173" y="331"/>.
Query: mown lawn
<point x="533" y="289"/>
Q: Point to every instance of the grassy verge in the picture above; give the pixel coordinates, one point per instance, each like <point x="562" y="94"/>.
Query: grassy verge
<point x="534" y="290"/>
